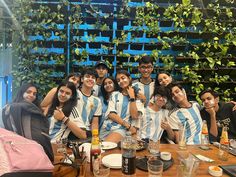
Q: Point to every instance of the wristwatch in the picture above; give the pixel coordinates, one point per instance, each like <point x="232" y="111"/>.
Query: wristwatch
<point x="132" y="99"/>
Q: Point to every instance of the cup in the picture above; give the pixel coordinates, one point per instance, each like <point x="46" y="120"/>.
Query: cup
<point x="61" y="146"/>
<point x="182" y="137"/>
<point x="187" y="164"/>
<point x="102" y="172"/>
<point x="155" y="167"/>
<point x="153" y="147"/>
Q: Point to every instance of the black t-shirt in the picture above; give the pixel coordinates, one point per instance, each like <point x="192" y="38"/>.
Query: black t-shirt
<point x="224" y="117"/>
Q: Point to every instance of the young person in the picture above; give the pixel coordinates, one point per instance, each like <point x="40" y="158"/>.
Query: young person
<point x="89" y="106"/>
<point x="122" y="110"/>
<point x="102" y="70"/>
<point x="155" y="118"/>
<point x="164" y="79"/>
<point x="63" y="114"/>
<point x="145" y="83"/>
<point x="109" y="85"/>
<point x="25" y="117"/>
<point x="47" y="101"/>
<point x="217" y="114"/>
<point x="187" y="113"/>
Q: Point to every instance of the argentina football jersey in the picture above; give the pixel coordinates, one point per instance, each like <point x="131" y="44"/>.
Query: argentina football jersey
<point x="58" y="130"/>
<point x="192" y="118"/>
<point x="89" y="107"/>
<point x="118" y="104"/>
<point x="146" y="89"/>
<point x="150" y="126"/>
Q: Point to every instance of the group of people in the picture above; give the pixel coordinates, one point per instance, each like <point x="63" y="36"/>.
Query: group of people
<point x="150" y="109"/>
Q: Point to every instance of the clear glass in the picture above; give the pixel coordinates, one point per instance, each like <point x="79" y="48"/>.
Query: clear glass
<point x="61" y="146"/>
<point x="155" y="167"/>
<point x="102" y="172"/>
<point x="153" y="147"/>
<point x="223" y="152"/>
<point x="182" y="138"/>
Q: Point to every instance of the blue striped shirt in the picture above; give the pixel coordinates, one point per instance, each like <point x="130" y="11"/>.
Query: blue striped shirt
<point x="58" y="130"/>
<point x="89" y="107"/>
<point x="192" y="117"/>
<point x="146" y="89"/>
<point x="150" y="126"/>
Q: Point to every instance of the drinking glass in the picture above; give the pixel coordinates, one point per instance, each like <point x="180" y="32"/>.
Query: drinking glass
<point x="182" y="137"/>
<point x="155" y="167"/>
<point x="102" y="172"/>
<point x="153" y="147"/>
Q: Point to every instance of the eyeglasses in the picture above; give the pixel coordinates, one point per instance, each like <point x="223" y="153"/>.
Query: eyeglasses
<point x="146" y="67"/>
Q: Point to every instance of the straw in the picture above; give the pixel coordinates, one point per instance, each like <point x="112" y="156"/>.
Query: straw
<point x="183" y="134"/>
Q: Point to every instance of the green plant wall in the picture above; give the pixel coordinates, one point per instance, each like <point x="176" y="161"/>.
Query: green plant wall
<point x="194" y="42"/>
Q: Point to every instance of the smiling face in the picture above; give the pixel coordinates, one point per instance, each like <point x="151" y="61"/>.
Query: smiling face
<point x="164" y="79"/>
<point x="30" y="94"/>
<point x="109" y="85"/>
<point x="64" y="94"/>
<point x="177" y="95"/>
<point x="123" y="80"/>
<point x="89" y="80"/>
<point x="208" y="100"/>
<point x="145" y="69"/>
<point x="160" y="100"/>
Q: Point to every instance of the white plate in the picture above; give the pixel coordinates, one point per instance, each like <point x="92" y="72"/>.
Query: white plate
<point x="108" y="145"/>
<point x="112" y="161"/>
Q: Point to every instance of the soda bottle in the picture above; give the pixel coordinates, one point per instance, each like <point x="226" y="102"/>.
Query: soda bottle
<point x="95" y="151"/>
<point x="204" y="135"/>
<point x="224" y="145"/>
<point x="128" y="149"/>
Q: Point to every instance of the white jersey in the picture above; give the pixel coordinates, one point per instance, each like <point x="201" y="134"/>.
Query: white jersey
<point x="97" y="90"/>
<point x="120" y="105"/>
<point x="192" y="118"/>
<point x="150" y="126"/>
<point x="58" y="130"/>
<point x="89" y="107"/>
<point x="146" y="89"/>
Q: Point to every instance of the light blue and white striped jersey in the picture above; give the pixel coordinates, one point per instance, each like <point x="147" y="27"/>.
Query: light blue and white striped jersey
<point x="120" y="105"/>
<point x="89" y="107"/>
<point x="104" y="110"/>
<point x="146" y="89"/>
<point x="97" y="90"/>
<point x="58" y="130"/>
<point x="150" y="126"/>
<point x="193" y="120"/>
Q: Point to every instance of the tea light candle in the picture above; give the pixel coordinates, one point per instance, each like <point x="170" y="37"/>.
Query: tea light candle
<point x="165" y="155"/>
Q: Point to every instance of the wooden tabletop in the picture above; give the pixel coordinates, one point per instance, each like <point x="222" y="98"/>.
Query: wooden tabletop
<point x="172" y="171"/>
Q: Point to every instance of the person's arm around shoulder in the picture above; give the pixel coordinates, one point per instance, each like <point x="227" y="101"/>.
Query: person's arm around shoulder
<point x="47" y="101"/>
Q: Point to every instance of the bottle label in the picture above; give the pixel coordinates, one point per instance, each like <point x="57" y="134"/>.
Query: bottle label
<point x="128" y="165"/>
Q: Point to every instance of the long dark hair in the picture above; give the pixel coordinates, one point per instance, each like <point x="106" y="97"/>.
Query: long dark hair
<point x="22" y="90"/>
<point x="105" y="95"/>
<point x="69" y="104"/>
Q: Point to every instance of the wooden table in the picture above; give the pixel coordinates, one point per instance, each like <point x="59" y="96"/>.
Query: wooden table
<point x="172" y="171"/>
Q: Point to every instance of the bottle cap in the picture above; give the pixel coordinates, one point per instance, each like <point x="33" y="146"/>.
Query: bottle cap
<point x="95" y="132"/>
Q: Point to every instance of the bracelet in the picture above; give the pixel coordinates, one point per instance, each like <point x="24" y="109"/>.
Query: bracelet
<point x="128" y="127"/>
<point x="67" y="120"/>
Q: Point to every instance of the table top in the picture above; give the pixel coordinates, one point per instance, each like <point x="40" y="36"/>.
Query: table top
<point x="173" y="149"/>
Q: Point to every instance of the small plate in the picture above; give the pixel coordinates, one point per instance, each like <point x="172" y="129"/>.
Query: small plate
<point x="112" y="161"/>
<point x="141" y="163"/>
<point x="105" y="145"/>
